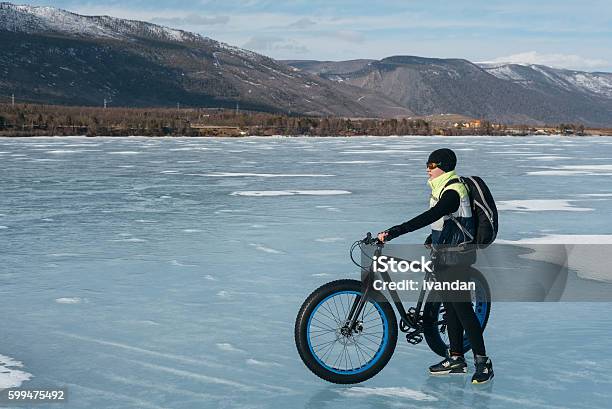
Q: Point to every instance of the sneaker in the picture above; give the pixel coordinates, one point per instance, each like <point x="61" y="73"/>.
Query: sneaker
<point x="484" y="370"/>
<point x="451" y="365"/>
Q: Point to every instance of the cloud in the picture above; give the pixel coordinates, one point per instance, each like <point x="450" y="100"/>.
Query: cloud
<point x="302" y="23"/>
<point x="569" y="61"/>
<point x="263" y="43"/>
<point x="192" y="20"/>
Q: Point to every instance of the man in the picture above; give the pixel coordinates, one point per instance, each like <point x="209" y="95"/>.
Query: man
<point x="452" y="224"/>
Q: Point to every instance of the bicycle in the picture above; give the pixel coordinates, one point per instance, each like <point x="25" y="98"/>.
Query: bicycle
<point x="345" y="335"/>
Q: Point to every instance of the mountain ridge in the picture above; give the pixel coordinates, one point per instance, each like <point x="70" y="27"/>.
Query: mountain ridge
<point x="500" y="92"/>
<point x="57" y="56"/>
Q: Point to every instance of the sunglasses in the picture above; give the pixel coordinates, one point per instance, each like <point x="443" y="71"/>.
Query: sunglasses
<point x="432" y="165"/>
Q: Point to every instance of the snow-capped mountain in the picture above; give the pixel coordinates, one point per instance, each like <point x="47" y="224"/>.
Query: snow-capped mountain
<point x="55" y="56"/>
<point x="500" y="92"/>
<point x="30" y="19"/>
<point x="535" y="76"/>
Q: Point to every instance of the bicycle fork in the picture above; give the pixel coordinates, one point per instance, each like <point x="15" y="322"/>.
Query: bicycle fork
<point x="358" y="304"/>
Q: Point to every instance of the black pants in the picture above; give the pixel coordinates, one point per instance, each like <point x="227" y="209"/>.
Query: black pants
<point x="460" y="315"/>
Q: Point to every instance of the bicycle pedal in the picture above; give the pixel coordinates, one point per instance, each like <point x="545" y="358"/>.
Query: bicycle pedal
<point x="414" y="338"/>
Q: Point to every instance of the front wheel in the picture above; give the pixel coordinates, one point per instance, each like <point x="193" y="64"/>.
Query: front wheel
<point x="329" y="348"/>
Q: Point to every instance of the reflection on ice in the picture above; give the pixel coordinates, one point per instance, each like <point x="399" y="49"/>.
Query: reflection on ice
<point x="396" y="392"/>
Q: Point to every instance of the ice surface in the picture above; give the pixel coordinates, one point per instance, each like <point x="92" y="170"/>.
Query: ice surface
<point x="198" y="311"/>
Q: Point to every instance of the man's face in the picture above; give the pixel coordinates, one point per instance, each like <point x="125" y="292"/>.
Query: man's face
<point x="434" y="173"/>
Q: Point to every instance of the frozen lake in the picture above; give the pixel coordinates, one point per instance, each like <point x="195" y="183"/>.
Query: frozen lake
<point x="167" y="273"/>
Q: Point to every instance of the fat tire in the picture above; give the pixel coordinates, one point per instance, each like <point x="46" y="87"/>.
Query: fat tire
<point x="301" y="337"/>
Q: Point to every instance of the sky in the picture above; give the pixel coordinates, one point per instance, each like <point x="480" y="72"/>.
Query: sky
<point x="562" y="33"/>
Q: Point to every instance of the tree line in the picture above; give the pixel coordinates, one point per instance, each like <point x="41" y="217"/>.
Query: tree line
<point x="37" y="120"/>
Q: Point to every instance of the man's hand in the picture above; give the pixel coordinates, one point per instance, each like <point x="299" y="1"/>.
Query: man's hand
<point x="382" y="236"/>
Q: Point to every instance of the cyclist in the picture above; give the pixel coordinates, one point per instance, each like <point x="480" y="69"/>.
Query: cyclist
<point x="450" y="199"/>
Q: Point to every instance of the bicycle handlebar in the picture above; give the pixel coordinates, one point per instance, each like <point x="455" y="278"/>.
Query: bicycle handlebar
<point x="368" y="240"/>
<point x="371" y="240"/>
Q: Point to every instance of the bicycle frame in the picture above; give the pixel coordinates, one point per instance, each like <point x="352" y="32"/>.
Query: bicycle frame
<point x="410" y="319"/>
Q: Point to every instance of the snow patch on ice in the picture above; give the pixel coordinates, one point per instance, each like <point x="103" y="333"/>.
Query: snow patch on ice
<point x="549" y="157"/>
<point x="596" y="194"/>
<point x="130" y="240"/>
<point x="62" y="151"/>
<point x="124" y="153"/>
<point x="68" y="300"/>
<point x="578" y="170"/>
<point x="10" y="377"/>
<point x="376" y="151"/>
<point x="256" y="362"/>
<point x="223" y="294"/>
<point x="265" y="193"/>
<point x="264" y="175"/>
<point x="265" y="249"/>
<point x="329" y="239"/>
<point x="227" y="347"/>
<point x="342" y="162"/>
<point x="540" y="205"/>
<point x="179" y="264"/>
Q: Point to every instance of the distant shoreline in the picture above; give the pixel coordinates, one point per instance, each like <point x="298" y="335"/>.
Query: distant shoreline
<point x="30" y="120"/>
<point x="292" y="136"/>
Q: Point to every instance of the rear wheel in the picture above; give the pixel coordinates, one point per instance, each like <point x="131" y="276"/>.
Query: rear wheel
<point x="434" y="321"/>
<point x="329" y="348"/>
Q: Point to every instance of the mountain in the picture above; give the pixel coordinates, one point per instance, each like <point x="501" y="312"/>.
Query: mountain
<point x="50" y="55"/>
<point x="543" y="78"/>
<point x="499" y="92"/>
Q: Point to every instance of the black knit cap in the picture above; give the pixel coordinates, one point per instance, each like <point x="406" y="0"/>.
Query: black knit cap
<point x="444" y="158"/>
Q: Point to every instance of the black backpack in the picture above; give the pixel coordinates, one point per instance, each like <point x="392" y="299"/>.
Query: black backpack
<point x="484" y="210"/>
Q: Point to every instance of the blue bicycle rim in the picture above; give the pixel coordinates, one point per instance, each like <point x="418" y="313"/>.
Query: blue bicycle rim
<point x="371" y="362"/>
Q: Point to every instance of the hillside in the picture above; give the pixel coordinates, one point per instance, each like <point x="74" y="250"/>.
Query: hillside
<point x="502" y="93"/>
<point x="54" y="56"/>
